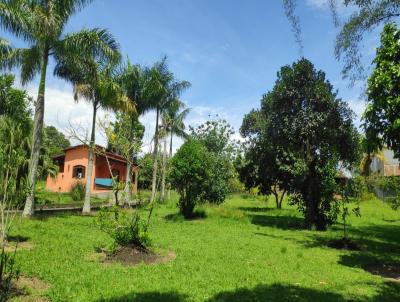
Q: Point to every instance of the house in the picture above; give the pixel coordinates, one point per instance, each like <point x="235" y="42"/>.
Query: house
<point x="385" y="164"/>
<point x="73" y="166"/>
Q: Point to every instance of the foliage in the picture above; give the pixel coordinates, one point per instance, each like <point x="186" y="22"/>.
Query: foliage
<point x="146" y="170"/>
<point x="124" y="228"/>
<point x="190" y="172"/>
<point x="54" y="141"/>
<point x="381" y="118"/>
<point x="78" y="191"/>
<point x="307" y="132"/>
<point x="357" y="187"/>
<point x="9" y="273"/>
<point x="391" y="186"/>
<point x="12" y="192"/>
<point x="260" y="167"/>
<point x="216" y="136"/>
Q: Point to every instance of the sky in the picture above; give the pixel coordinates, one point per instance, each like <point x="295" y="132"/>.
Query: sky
<point x="230" y="52"/>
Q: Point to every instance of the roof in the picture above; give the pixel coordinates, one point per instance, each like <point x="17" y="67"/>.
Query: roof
<point x="101" y="149"/>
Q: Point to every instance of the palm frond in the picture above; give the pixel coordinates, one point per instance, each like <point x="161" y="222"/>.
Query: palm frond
<point x="16" y="17"/>
<point x="30" y="63"/>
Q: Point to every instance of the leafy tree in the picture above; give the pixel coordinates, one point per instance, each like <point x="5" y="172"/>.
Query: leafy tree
<point x="54" y="141"/>
<point x="126" y="139"/>
<point x="311" y="131"/>
<point x="41" y="25"/>
<point x="97" y="84"/>
<point x="189" y="175"/>
<point x="216" y="136"/>
<point x="260" y="168"/>
<point x="381" y="117"/>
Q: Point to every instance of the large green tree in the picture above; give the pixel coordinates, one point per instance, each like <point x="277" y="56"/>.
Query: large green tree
<point x="382" y="115"/>
<point x="311" y="131"/>
<point x="41" y="24"/>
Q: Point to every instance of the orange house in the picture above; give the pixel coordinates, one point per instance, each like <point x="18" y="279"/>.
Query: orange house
<point x="73" y="168"/>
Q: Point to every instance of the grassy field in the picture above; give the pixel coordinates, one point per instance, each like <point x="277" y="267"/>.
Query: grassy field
<point x="243" y="250"/>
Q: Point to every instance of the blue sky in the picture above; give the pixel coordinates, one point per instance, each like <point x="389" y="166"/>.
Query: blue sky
<point x="229" y="50"/>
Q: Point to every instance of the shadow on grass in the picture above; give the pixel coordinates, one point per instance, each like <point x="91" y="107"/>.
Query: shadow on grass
<point x="17" y="238"/>
<point x="177" y="217"/>
<point x="281" y="222"/>
<point x="148" y="297"/>
<point x="275" y="292"/>
<point x="256" y="209"/>
<point x="279" y="292"/>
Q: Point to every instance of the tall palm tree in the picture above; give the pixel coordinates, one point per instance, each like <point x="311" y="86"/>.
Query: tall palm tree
<point x="96" y="83"/>
<point x="173" y="124"/>
<point x="164" y="88"/>
<point x="41" y="24"/>
<point x="134" y="80"/>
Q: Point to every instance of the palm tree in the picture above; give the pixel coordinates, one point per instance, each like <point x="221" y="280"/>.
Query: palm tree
<point x="41" y="24"/>
<point x="134" y="81"/>
<point x="163" y="88"/>
<point x="173" y="124"/>
<point x="95" y="82"/>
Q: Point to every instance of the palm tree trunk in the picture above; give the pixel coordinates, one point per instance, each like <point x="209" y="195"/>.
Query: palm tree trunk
<point x="170" y="156"/>
<point x="37" y="138"/>
<point x="155" y="164"/>
<point x="86" y="205"/>
<point x="164" y="171"/>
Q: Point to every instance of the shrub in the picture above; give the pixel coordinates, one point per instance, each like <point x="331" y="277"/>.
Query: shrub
<point x="124" y="228"/>
<point x="189" y="175"/>
<point x="357" y="187"/>
<point x="78" y="191"/>
<point x="8" y="274"/>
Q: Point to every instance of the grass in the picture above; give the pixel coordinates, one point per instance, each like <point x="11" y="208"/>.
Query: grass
<point x="242" y="250"/>
<point x="45" y="197"/>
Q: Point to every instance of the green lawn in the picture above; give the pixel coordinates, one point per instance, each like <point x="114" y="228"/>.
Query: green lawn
<point x="244" y="250"/>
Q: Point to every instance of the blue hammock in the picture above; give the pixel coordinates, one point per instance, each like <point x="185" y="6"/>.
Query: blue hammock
<point x="103" y="182"/>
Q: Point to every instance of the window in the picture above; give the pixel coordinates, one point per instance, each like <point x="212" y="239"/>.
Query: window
<point x="115" y="173"/>
<point x="78" y="172"/>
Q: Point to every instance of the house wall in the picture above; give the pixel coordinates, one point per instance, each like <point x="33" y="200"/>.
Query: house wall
<point x="79" y="156"/>
<point x="389" y="167"/>
<point x="64" y="180"/>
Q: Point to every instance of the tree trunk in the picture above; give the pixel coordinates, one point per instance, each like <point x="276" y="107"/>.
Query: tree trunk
<point x="37" y="138"/>
<point x="155" y="163"/>
<point x="128" y="181"/>
<point x="86" y="205"/>
<point x="281" y="199"/>
<point x="164" y="170"/>
<point x="170" y="156"/>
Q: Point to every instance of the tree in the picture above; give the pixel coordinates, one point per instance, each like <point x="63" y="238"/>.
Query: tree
<point x="126" y="139"/>
<point x="381" y="117"/>
<point x="96" y="83"/>
<point x="366" y="16"/>
<point x="216" y="136"/>
<point x="54" y="141"/>
<point x="189" y="175"/>
<point x="134" y="80"/>
<point x="41" y="24"/>
<point x="260" y="167"/>
<point x="311" y="131"/>
<point x="173" y="124"/>
<point x="163" y="88"/>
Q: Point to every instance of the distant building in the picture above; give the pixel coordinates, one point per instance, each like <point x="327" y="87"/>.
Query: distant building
<point x="73" y="168"/>
<point x="386" y="165"/>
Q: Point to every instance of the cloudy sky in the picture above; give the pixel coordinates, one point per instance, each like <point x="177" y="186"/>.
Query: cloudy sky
<point x="230" y="51"/>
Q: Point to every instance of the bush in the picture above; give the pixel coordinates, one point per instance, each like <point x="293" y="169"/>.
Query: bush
<point x="190" y="175"/>
<point x="357" y="187"/>
<point x="124" y="228"/>
<point x="78" y="191"/>
<point x="8" y="274"/>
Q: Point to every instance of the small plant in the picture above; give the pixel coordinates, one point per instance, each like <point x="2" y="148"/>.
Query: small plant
<point x="124" y="228"/>
<point x="9" y="273"/>
<point x="78" y="191"/>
